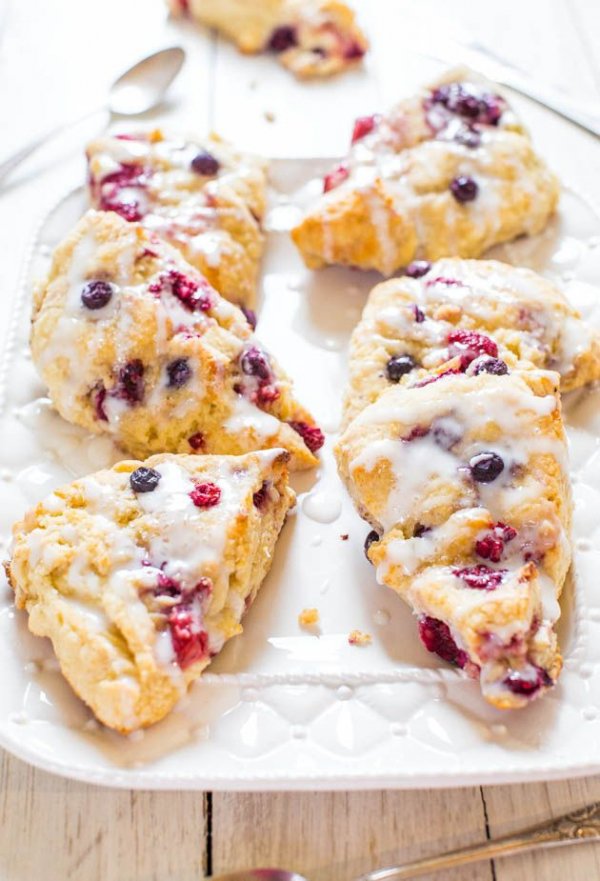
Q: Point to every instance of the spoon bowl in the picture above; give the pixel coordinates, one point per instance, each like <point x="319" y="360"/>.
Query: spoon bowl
<point x="144" y="85"/>
<point x="137" y="90"/>
<point x="578" y="827"/>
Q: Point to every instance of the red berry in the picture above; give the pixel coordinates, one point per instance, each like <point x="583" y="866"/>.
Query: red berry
<point x="206" y="495"/>
<point x="491" y="546"/>
<point x="415" y="433"/>
<point x="196" y="441"/>
<point x="98" y="399"/>
<point x="480" y="577"/>
<point x="190" y="642"/>
<point x="127" y="177"/>
<point x="130" y="382"/>
<point x="335" y="177"/>
<point x="261" y="496"/>
<point x="468" y="345"/>
<point x="267" y="394"/>
<point x="519" y="682"/>
<point x="312" y="435"/>
<point x="363" y="126"/>
<point x="194" y="295"/>
<point x="436" y="637"/>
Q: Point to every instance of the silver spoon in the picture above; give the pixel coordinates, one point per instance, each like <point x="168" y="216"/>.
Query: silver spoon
<point x="578" y="826"/>
<point x="136" y="91"/>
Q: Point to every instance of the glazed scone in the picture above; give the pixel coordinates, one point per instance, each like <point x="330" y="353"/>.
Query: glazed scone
<point x="465" y="484"/>
<point x="467" y="315"/>
<point x="449" y="172"/>
<point x="310" y="37"/>
<point x="200" y="195"/>
<point x="139" y="574"/>
<point x="133" y="342"/>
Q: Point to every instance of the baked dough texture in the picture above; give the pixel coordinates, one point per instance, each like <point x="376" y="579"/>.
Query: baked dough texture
<point x="140" y="573"/>
<point x="449" y="172"/>
<point x="133" y="342"/>
<point x="201" y="195"/>
<point x="464" y="481"/>
<point x="311" y="38"/>
<point x="466" y="315"/>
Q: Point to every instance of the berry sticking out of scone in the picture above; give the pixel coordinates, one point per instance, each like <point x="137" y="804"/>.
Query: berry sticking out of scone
<point x="166" y="364"/>
<point x="139" y="574"/>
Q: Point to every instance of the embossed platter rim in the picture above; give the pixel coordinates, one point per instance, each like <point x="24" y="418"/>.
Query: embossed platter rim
<point x="303" y="714"/>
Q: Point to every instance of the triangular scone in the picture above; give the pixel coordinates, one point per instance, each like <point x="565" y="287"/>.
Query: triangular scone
<point x="200" y="195"/>
<point x="468" y="315"/>
<point x="139" y="574"/>
<point x="449" y="172"/>
<point x="133" y="342"/>
<point x="310" y="37"/>
<point x="465" y="484"/>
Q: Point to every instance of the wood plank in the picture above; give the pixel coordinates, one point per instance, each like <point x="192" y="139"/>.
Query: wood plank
<point x="54" y="829"/>
<point x="331" y="836"/>
<point x="513" y="807"/>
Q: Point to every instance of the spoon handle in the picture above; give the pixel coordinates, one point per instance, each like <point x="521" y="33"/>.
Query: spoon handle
<point x="579" y="826"/>
<point x="9" y="164"/>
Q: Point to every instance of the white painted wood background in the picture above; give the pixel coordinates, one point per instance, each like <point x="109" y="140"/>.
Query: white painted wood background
<point x="55" y="57"/>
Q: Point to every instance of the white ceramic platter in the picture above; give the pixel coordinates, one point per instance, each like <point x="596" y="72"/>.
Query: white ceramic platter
<point x="282" y="708"/>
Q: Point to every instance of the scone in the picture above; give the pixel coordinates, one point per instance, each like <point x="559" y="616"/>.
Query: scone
<point x="133" y="342"/>
<point x="466" y="315"/>
<point x="449" y="172"/>
<point x="200" y="195"/>
<point x="139" y="574"/>
<point x="465" y="484"/>
<point x="310" y="37"/>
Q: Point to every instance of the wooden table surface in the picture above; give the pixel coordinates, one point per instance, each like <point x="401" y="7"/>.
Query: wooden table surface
<point x="55" y="57"/>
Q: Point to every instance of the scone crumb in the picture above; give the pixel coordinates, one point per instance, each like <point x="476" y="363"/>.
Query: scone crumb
<point x="359" y="637"/>
<point x="270" y="116"/>
<point x="448" y="312"/>
<point x="308" y="617"/>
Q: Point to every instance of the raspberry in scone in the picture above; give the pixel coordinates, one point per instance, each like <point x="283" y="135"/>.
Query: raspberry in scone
<point x="139" y="574"/>
<point x="133" y="342"/>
